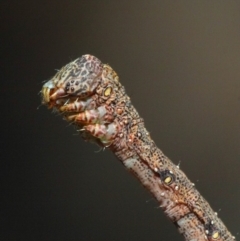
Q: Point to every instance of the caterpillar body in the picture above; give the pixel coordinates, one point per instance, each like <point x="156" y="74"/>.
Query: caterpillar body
<point x="88" y="93"/>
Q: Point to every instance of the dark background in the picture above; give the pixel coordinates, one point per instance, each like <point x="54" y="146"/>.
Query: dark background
<point x="179" y="62"/>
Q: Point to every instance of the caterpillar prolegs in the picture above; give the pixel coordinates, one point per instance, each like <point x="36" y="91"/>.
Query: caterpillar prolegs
<point x="88" y="94"/>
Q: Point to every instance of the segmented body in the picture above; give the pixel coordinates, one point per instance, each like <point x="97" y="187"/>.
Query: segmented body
<point x="90" y="95"/>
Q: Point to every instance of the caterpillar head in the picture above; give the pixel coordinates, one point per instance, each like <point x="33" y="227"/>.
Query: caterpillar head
<point x="77" y="79"/>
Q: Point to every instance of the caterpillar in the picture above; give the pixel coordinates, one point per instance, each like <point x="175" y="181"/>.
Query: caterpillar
<point x="89" y="95"/>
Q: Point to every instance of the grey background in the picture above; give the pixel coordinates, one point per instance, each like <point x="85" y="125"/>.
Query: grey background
<point x="179" y="62"/>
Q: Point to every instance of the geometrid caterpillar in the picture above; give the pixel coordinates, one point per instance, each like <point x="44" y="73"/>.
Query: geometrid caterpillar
<point x="89" y="94"/>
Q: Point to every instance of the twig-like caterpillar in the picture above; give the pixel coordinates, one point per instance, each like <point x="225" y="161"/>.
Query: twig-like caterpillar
<point x="89" y="94"/>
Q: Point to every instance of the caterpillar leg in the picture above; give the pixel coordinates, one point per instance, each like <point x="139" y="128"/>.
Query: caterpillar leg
<point x="78" y="106"/>
<point x="100" y="115"/>
<point x="105" y="133"/>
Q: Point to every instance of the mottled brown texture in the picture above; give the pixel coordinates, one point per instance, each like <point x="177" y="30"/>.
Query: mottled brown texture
<point x="89" y="94"/>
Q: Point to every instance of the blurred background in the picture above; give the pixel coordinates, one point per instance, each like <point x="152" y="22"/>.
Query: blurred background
<point x="179" y="62"/>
